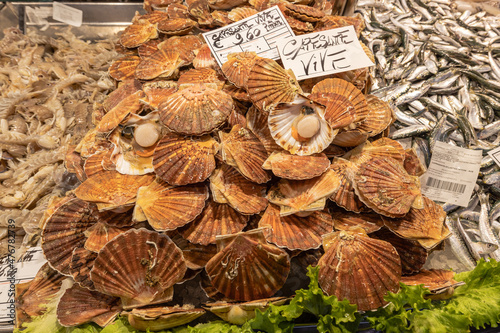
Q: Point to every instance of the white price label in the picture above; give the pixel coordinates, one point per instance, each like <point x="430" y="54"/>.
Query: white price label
<point x="495" y="155"/>
<point x="67" y="14"/>
<point x="258" y="33"/>
<point x="323" y="53"/>
<point x="452" y="174"/>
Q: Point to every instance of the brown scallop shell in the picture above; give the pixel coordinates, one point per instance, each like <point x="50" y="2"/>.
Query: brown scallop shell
<point x="185" y="45"/>
<point x="204" y="58"/>
<point x="177" y="10"/>
<point x="247" y="267"/>
<point x="138" y="33"/>
<point x="196" y="110"/>
<point x="288" y="166"/>
<point x="125" y="89"/>
<point x="220" y="18"/>
<point x="119" y="220"/>
<point x="153" y="17"/>
<point x="130" y="104"/>
<point x="79" y="306"/>
<point x="157" y="91"/>
<point x="148" y="49"/>
<point x="99" y="234"/>
<point x="64" y="231"/>
<point x="243" y="150"/>
<point x="346" y="197"/>
<point x="225" y="4"/>
<point x="162" y="63"/>
<point x="369" y="222"/>
<point x="380" y="116"/>
<point x="239" y="94"/>
<point x="201" y="75"/>
<point x="195" y="255"/>
<point x="229" y="186"/>
<point x="269" y="84"/>
<point x="241" y="13"/>
<point x="82" y="262"/>
<point x="384" y="141"/>
<point x="141" y="274"/>
<point x="237" y="116"/>
<point x="124" y="68"/>
<point x="434" y="279"/>
<point x="215" y="220"/>
<point x="238" y="66"/>
<point x="299" y="27"/>
<point x="294" y="232"/>
<point x="181" y="160"/>
<point x="176" y="26"/>
<point x="162" y="318"/>
<point x="257" y="123"/>
<point x="359" y="268"/>
<point x="412" y="163"/>
<point x="167" y="207"/>
<point x="384" y="186"/>
<point x="304" y="13"/>
<point x="200" y="10"/>
<point x="294" y="196"/>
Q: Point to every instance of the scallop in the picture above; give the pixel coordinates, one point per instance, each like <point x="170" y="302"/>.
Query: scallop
<point x="380" y="116"/>
<point x="130" y="104"/>
<point x="82" y="262"/>
<point x="124" y="68"/>
<point x="162" y="63"/>
<point x="295" y="167"/>
<point x="162" y="318"/>
<point x="138" y="33"/>
<point x="176" y="26"/>
<point x="369" y="222"/>
<point x="346" y="197"/>
<point x="99" y="234"/>
<point x="238" y="66"/>
<point x="157" y="91"/>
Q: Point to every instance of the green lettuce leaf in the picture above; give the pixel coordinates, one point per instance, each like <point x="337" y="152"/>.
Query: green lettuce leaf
<point x="272" y="320"/>
<point x="120" y="325"/>
<point x="218" y="327"/>
<point x="85" y="328"/>
<point x="439" y="321"/>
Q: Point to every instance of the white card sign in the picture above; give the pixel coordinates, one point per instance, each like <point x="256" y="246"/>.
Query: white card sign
<point x="495" y="155"/>
<point x="257" y="33"/>
<point x="323" y="53"/>
<point x="67" y="14"/>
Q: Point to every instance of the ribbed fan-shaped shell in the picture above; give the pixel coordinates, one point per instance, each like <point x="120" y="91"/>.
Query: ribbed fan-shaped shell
<point x="299" y="27"/>
<point x="162" y="318"/>
<point x="157" y="91"/>
<point x="238" y="66"/>
<point x="185" y="45"/>
<point x="269" y="83"/>
<point x="130" y="104"/>
<point x="138" y="33"/>
<point x="284" y="121"/>
<point x="294" y="232"/>
<point x="204" y="58"/>
<point x="346" y="197"/>
<point x="82" y="262"/>
<point x="112" y="188"/>
<point x="229" y="186"/>
<point x="434" y="279"/>
<point x="79" y="306"/>
<point x="64" y="231"/>
<point x="362" y="154"/>
<point x="304" y="13"/>
<point x="124" y="68"/>
<point x="384" y="141"/>
<point x="98" y="162"/>
<point x="153" y="17"/>
<point x="239" y="94"/>
<point x="380" y="116"/>
<point x="225" y="4"/>
<point x="243" y="150"/>
<point x="125" y="89"/>
<point x="161" y="63"/>
<point x="177" y="10"/>
<point x="288" y="166"/>
<point x="295" y="196"/>
<point x="176" y="26"/>
<point x="220" y="18"/>
<point x="359" y="268"/>
<point x="257" y="123"/>
<point x="118" y="220"/>
<point x="201" y="75"/>
<point x="130" y="161"/>
<point x="412" y="164"/>
<point x="195" y="255"/>
<point x="148" y="49"/>
<point x="99" y="234"/>
<point x="246" y="267"/>
<point x="241" y="13"/>
<point x="167" y="207"/>
<point x="215" y="220"/>
<point x="350" y="138"/>
<point x="369" y="222"/>
<point x="384" y="186"/>
<point x="196" y="110"/>
<point x="181" y="160"/>
<point x="139" y="266"/>
<point x="331" y="21"/>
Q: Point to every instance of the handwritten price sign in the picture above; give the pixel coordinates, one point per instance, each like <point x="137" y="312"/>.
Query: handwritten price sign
<point x="258" y="33"/>
<point x="323" y="53"/>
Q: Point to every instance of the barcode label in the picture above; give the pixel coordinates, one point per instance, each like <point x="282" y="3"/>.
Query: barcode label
<point x="444" y="185"/>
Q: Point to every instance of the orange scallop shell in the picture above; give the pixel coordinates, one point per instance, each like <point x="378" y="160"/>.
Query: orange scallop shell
<point x="149" y="48"/>
<point x="204" y="58"/>
<point x="118" y="220"/>
<point x="359" y="268"/>
<point x="433" y="279"/>
<point x="380" y="116"/>
<point x="299" y="27"/>
<point x="241" y="13"/>
<point x="98" y="162"/>
<point x="167" y="207"/>
<point x="346" y="197"/>
<point x="215" y="220"/>
<point x="369" y="222"/>
<point x="82" y="262"/>
<point x="162" y="63"/>
<point x="247" y="267"/>
<point x="185" y="45"/>
<point x="124" y="68"/>
<point x="304" y="13"/>
<point x="288" y="166"/>
<point x="237" y="116"/>
<point x="200" y="10"/>
<point x="157" y="91"/>
<point x="177" y="10"/>
<point x="130" y="104"/>
<point x="201" y="75"/>
<point x="196" y="110"/>
<point x="125" y="89"/>
<point x="331" y="22"/>
<point x="195" y="255"/>
<point x="229" y="186"/>
<point x="141" y="274"/>
<point x="225" y="4"/>
<point x="176" y="26"/>
<point x="162" y="318"/>
<point x="138" y="33"/>
<point x="153" y="17"/>
<point x="99" y="234"/>
<point x="239" y="94"/>
<point x="257" y="123"/>
<point x="220" y="18"/>
<point x="412" y="163"/>
<point x="384" y="141"/>
<point x="377" y="149"/>
<point x="238" y="66"/>
<point x="294" y="232"/>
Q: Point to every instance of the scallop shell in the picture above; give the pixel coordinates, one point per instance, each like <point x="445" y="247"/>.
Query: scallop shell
<point x="359" y="268"/>
<point x="181" y="160"/>
<point x="304" y="13"/>
<point x="64" y="231"/>
<point x="435" y="280"/>
<point x="288" y="166"/>
<point x="392" y="143"/>
<point x="79" y="306"/>
<point x="148" y="49"/>
<point x="141" y="274"/>
<point x="130" y="104"/>
<point x="220" y="18"/>
<point x="229" y="186"/>
<point x="257" y="123"/>
<point x="185" y="45"/>
<point x="377" y="149"/>
<point x="384" y="186"/>
<point x="138" y="33"/>
<point x="162" y="318"/>
<point x="380" y="116"/>
<point x="237" y="116"/>
<point x="125" y="158"/>
<point x="225" y="4"/>
<point x="162" y="63"/>
<point x="294" y="232"/>
<point x="167" y="207"/>
<point x="196" y="110"/>
<point x="369" y="222"/>
<point x="124" y="68"/>
<point x="177" y="10"/>
<point x="268" y="84"/>
<point x="242" y="150"/>
<point x="239" y="94"/>
<point x="351" y="138"/>
<point x="412" y="163"/>
<point x="204" y="58"/>
<point x="195" y="255"/>
<point x="82" y="262"/>
<point x="294" y="196"/>
<point x="99" y="234"/>
<point x="201" y="75"/>
<point x="246" y="267"/>
<point x="176" y="26"/>
<point x="125" y="89"/>
<point x="157" y="91"/>
<point x="346" y="197"/>
<point x="238" y="66"/>
<point x="241" y="13"/>
<point x="285" y="119"/>
<point x="153" y="17"/>
<point x="332" y="22"/>
<point x="118" y="220"/>
<point x="299" y="27"/>
<point x="201" y="12"/>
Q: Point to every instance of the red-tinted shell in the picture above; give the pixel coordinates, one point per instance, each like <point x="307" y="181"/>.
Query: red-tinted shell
<point x="294" y="232"/>
<point x="204" y="58"/>
<point x="176" y="26"/>
<point x="288" y="166"/>
<point x="162" y="63"/>
<point x="148" y="49"/>
<point x="141" y="274"/>
<point x="370" y="222"/>
<point x="153" y="17"/>
<point x="215" y="220"/>
<point x="82" y="262"/>
<point x="225" y="4"/>
<point x="257" y="123"/>
<point x="238" y="66"/>
<point x="138" y="33"/>
<point x="157" y="91"/>
<point x="359" y="268"/>
<point x="195" y="255"/>
<point x="346" y="197"/>
<point x="177" y="10"/>
<point x="350" y="138"/>
<point x="380" y="116"/>
<point x="185" y="45"/>
<point x="130" y="104"/>
<point x="434" y="279"/>
<point x="412" y="163"/>
<point x="246" y="267"/>
<point x="124" y="68"/>
<point x="304" y="13"/>
<point x="241" y="13"/>
<point x="201" y="75"/>
<point x="125" y="89"/>
<point x="99" y="234"/>
<point x="196" y="110"/>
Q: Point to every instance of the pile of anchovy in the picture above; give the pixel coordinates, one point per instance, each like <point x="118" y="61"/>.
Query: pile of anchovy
<point x="437" y="66"/>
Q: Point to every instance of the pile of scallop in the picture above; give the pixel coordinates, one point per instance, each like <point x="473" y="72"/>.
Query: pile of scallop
<point x="229" y="173"/>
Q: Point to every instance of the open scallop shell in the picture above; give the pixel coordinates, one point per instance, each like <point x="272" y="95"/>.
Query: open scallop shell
<point x="99" y="234"/>
<point x="167" y="207"/>
<point x="162" y="318"/>
<point x="201" y="75"/>
<point x="294" y="232"/>
<point x="185" y="45"/>
<point x="138" y="33"/>
<point x="257" y="123"/>
<point x="204" y="58"/>
<point x="384" y="186"/>
<point x="243" y="150"/>
<point x="82" y="262"/>
<point x="294" y="196"/>
<point x="125" y="158"/>
<point x="79" y="306"/>
<point x="346" y="197"/>
<point x="238" y="66"/>
<point x="288" y="166"/>
<point x="436" y="280"/>
<point x="130" y="104"/>
<point x="124" y="68"/>
<point x="369" y="222"/>
<point x="162" y="63"/>
<point x="359" y="268"/>
<point x="229" y="186"/>
<point x="140" y="267"/>
<point x="176" y="26"/>
<point x="300" y="127"/>
<point x="196" y="110"/>
<point x="380" y="116"/>
<point x="268" y="84"/>
<point x="215" y="220"/>
<point x="246" y="267"/>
